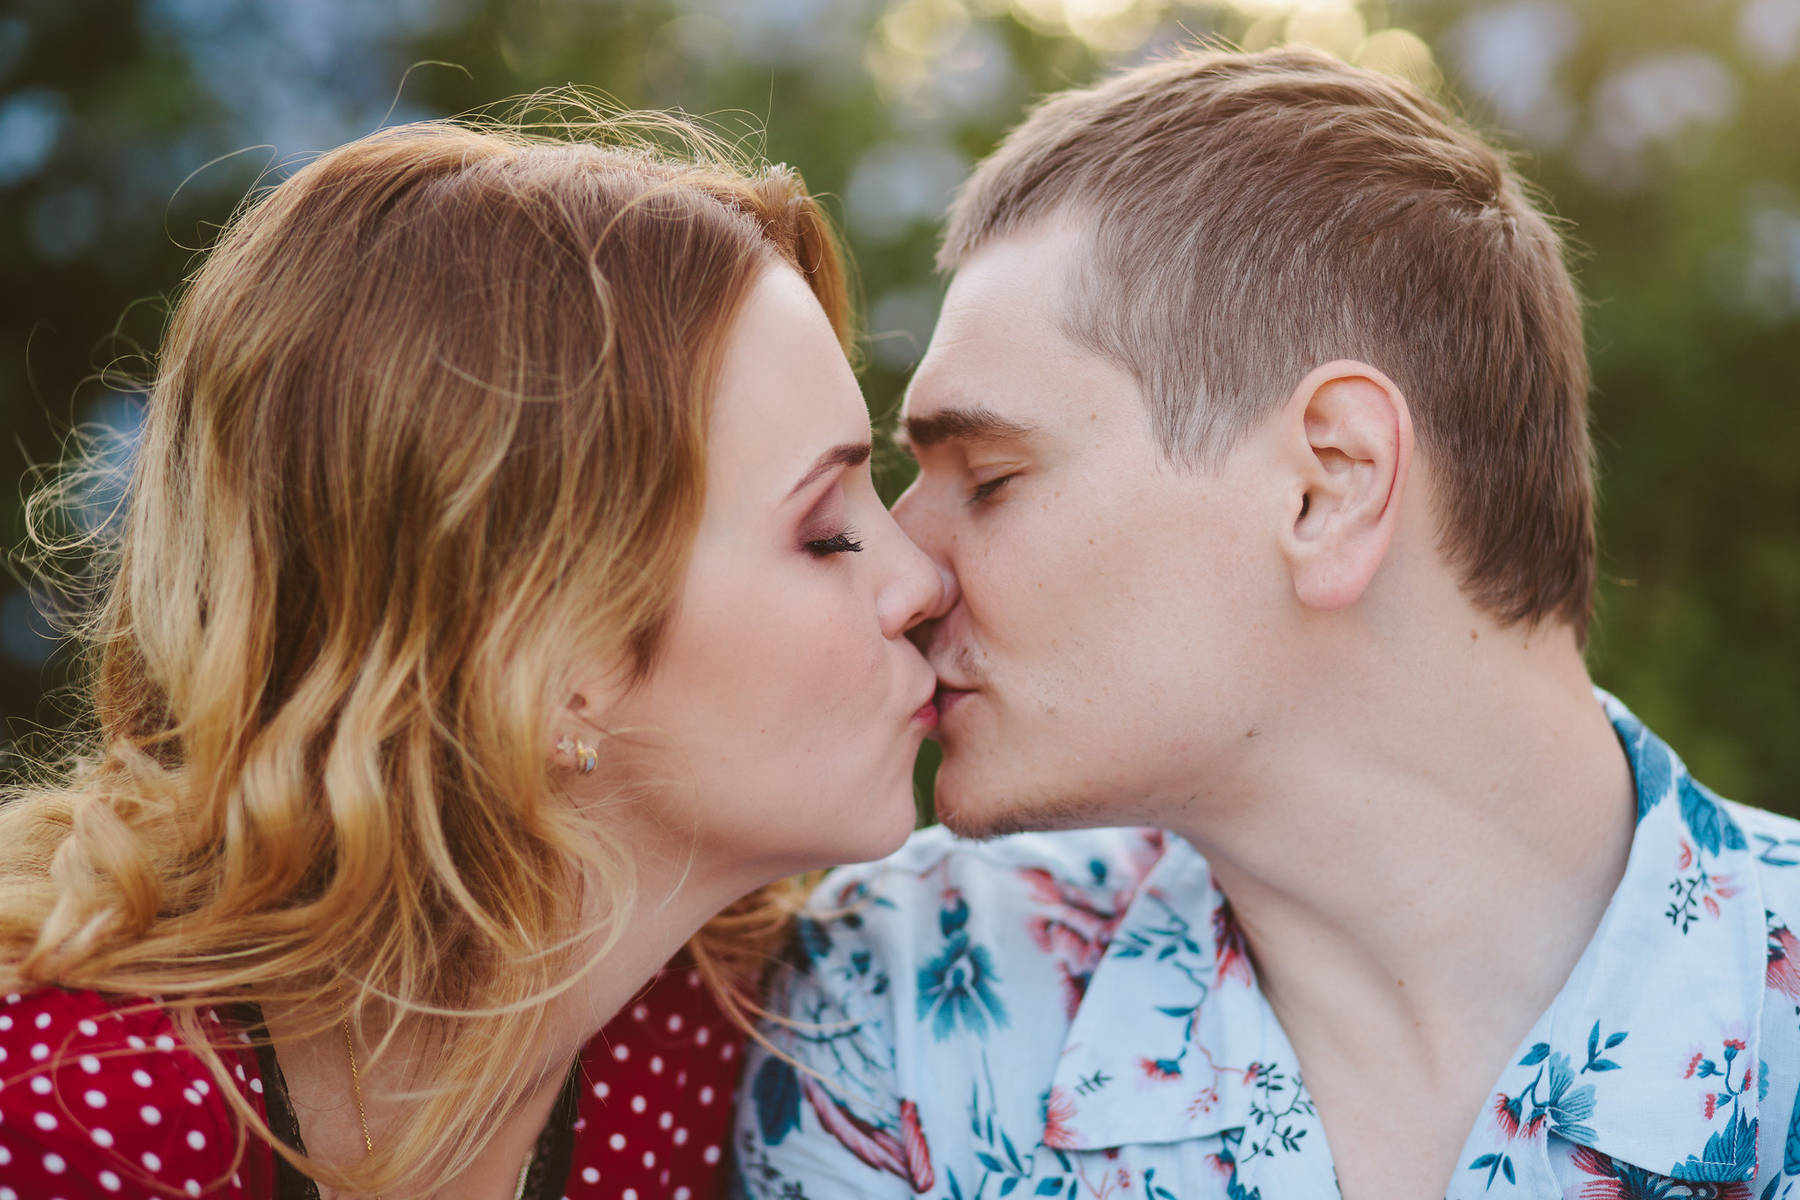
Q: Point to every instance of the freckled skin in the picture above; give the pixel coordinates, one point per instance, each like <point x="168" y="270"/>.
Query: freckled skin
<point x="781" y="711"/>
<point x="1101" y="613"/>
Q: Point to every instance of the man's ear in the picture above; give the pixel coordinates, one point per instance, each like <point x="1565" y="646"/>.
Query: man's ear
<point x="1348" y="433"/>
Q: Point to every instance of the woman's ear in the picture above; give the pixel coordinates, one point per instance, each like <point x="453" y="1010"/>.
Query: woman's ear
<point x="594" y="707"/>
<point x="1348" y="431"/>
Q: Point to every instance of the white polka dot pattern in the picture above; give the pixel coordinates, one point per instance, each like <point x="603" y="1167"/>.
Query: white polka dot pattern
<point x="96" y="1058"/>
<point x="655" y="1085"/>
<point x="657" y="1077"/>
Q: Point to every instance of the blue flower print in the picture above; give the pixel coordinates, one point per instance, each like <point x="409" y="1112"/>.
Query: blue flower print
<point x="1650" y="760"/>
<point x="958" y="985"/>
<point x="1708" y="824"/>
<point x="1563" y="1106"/>
<point x="1730" y="1154"/>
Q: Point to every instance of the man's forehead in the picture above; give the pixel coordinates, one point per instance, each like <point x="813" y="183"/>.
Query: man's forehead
<point x="977" y="358"/>
<point x="1011" y="290"/>
<point x="1032" y="264"/>
<point x="968" y="389"/>
<point x="1000" y="348"/>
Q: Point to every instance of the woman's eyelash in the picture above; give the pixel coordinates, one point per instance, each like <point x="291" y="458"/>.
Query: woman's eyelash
<point x="837" y="543"/>
<point x="983" y="491"/>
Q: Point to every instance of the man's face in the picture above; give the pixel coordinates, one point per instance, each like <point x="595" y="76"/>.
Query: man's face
<point x="1111" y="655"/>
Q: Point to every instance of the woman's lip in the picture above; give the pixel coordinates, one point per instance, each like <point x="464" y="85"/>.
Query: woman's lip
<point x="927" y="714"/>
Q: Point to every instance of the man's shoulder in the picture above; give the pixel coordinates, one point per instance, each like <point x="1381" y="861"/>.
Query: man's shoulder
<point x="1763" y="829"/>
<point x="1773" y="843"/>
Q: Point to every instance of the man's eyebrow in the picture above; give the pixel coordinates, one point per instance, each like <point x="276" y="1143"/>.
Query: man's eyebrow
<point x="850" y="454"/>
<point x="972" y="423"/>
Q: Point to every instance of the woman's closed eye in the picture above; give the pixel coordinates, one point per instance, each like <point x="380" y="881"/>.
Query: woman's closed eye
<point x="842" y="542"/>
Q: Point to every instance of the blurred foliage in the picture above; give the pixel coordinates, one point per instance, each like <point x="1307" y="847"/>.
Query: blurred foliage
<point x="1661" y="129"/>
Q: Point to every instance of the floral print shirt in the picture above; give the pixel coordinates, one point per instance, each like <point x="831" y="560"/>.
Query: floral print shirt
<point x="1075" y="1015"/>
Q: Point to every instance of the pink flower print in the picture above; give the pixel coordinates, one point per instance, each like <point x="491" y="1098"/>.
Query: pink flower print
<point x="1074" y="987"/>
<point x="1073" y="905"/>
<point x="907" y="1156"/>
<point x="1784" y="963"/>
<point x="1057" y="937"/>
<point x="1508" y="1116"/>
<point x="1232" y="951"/>
<point x="1687" y="856"/>
<point x="1044" y="886"/>
<point x="1203" y="1102"/>
<point x="1074" y="933"/>
<point x="1159" y="1068"/>
<point x="1076" y="956"/>
<point x="918" y="1153"/>
<point x="1693" y="1064"/>
<point x="1612" y="1182"/>
<point x="1608" y="1185"/>
<point x="1146" y="854"/>
<point x="1057" y="1115"/>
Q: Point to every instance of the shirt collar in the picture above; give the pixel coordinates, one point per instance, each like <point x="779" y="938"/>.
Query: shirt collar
<point x="1653" y="1044"/>
<point x="1174" y="1040"/>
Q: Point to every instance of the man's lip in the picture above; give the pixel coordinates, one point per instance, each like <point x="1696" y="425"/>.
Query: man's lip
<point x="947" y="696"/>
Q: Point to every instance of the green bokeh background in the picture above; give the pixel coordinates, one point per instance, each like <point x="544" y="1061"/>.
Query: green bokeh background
<point x="1664" y="131"/>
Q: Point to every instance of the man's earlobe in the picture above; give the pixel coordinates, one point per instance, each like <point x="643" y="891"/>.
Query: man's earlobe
<point x="1350" y="433"/>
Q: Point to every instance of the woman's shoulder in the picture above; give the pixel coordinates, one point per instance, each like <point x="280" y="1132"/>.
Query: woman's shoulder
<point x="655" y="1110"/>
<point x="102" y="1092"/>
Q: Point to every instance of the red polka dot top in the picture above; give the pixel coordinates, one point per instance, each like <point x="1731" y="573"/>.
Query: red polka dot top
<point x="99" y="1098"/>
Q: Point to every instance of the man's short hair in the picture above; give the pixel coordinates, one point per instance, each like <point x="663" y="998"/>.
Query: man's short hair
<point x="1251" y="216"/>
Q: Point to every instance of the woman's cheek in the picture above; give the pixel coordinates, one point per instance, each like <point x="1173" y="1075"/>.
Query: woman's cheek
<point x="839" y="672"/>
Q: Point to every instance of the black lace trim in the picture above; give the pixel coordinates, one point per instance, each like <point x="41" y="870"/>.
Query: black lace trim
<point x="550" y="1159"/>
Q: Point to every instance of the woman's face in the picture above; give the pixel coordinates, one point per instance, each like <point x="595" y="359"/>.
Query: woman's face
<point x="786" y="705"/>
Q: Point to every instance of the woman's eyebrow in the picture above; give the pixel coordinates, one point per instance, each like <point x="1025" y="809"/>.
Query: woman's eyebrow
<point x="850" y="454"/>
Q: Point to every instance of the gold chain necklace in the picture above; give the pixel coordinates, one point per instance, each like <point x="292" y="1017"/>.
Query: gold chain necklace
<point x="362" y="1116"/>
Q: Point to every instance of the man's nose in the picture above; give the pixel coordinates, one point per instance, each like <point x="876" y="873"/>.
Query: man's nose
<point x="911" y="512"/>
<point x="950" y="590"/>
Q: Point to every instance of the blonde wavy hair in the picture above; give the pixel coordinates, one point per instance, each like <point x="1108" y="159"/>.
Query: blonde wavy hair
<point x="428" y="422"/>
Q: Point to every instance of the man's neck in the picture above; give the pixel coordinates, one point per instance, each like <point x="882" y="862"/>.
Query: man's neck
<point x="1417" y="867"/>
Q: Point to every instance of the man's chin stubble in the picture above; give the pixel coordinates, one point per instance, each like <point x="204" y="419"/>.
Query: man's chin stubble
<point x="982" y="821"/>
